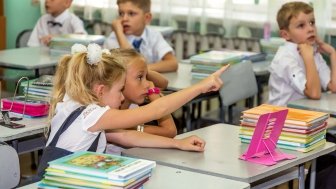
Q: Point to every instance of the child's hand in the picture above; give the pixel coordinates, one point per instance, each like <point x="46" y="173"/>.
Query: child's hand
<point x="46" y="39"/>
<point x="324" y="47"/>
<point x="306" y="50"/>
<point x="117" y="26"/>
<point x="213" y="82"/>
<point x="192" y="143"/>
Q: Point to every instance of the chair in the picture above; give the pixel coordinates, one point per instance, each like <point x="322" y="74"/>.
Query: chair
<point x="10" y="167"/>
<point x="239" y="84"/>
<point x="22" y="38"/>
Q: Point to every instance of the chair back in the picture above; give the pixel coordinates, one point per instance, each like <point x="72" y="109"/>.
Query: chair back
<point x="239" y="83"/>
<point x="22" y="38"/>
<point x="9" y="167"/>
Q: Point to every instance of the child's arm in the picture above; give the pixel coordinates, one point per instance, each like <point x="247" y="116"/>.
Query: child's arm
<point x="46" y="39"/>
<point x="166" y="125"/>
<point x="158" y="79"/>
<point x="168" y="63"/>
<point x="119" y="32"/>
<point x="313" y="86"/>
<point x="328" y="49"/>
<point x="122" y="119"/>
<point x="131" y="138"/>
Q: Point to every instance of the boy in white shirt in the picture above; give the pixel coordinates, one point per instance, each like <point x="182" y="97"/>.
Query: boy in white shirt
<point x="58" y="20"/>
<point x="130" y="31"/>
<point x="298" y="70"/>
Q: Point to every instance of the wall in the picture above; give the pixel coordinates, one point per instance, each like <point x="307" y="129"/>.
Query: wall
<point x="20" y="15"/>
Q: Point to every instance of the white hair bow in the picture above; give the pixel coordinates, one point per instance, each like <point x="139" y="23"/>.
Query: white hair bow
<point x="94" y="52"/>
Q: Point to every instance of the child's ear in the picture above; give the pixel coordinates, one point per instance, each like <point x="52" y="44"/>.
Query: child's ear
<point x="148" y="17"/>
<point x="98" y="90"/>
<point x="284" y="34"/>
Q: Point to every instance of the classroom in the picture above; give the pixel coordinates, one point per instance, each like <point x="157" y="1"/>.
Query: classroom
<point x="148" y="94"/>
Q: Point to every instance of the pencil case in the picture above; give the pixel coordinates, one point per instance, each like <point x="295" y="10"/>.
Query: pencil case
<point x="34" y="108"/>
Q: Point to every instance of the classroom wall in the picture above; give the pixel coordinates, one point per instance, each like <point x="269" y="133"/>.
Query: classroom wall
<point x="20" y="15"/>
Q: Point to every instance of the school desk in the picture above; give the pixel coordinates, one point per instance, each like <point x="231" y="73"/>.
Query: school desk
<point x="164" y="177"/>
<point x="220" y="158"/>
<point x="327" y="104"/>
<point x="28" y="138"/>
<point x="28" y="58"/>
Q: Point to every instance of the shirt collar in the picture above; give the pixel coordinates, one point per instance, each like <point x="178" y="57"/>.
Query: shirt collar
<point x="143" y="37"/>
<point x="294" y="47"/>
<point x="62" y="17"/>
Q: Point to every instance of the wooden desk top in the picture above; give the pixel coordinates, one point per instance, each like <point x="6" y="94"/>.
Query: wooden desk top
<point x="220" y="158"/>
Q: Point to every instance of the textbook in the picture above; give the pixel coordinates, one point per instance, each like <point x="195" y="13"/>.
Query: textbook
<point x="61" y="44"/>
<point x="73" y="183"/>
<point x="305" y="118"/>
<point x="102" y="165"/>
<point x="44" y="80"/>
<point x="120" y="182"/>
<point x="216" y="58"/>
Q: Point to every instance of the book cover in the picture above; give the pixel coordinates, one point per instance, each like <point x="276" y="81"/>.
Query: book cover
<point x="102" y="165"/>
<point x="92" y="178"/>
<point x="44" y="80"/>
<point x="214" y="57"/>
<point x="295" y="116"/>
<point x="51" y="180"/>
<point x="69" y="39"/>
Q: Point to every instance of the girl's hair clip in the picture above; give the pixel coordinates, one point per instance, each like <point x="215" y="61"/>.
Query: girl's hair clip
<point x="94" y="52"/>
<point x="78" y="48"/>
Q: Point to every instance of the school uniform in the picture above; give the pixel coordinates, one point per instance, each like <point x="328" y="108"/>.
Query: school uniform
<point x="153" y="46"/>
<point x="64" y="23"/>
<point x="288" y="75"/>
<point x="77" y="137"/>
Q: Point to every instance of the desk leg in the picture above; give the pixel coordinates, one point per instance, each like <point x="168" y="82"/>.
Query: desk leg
<point x="15" y="145"/>
<point x="301" y="176"/>
<point x="37" y="73"/>
<point x="312" y="174"/>
<point x="188" y="117"/>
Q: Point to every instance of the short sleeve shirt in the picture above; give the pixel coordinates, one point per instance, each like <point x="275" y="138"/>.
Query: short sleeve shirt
<point x="287" y="80"/>
<point x="153" y="46"/>
<point x="70" y="24"/>
<point x="77" y="137"/>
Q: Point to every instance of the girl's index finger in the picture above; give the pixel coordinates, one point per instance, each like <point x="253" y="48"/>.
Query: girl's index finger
<point x="221" y="70"/>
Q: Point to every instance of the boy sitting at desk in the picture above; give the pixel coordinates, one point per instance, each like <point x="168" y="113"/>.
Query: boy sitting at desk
<point x="130" y="28"/>
<point x="298" y="69"/>
<point x="58" y="20"/>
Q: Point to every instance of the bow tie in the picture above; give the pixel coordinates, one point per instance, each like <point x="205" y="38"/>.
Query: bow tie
<point x="136" y="44"/>
<point x="53" y="23"/>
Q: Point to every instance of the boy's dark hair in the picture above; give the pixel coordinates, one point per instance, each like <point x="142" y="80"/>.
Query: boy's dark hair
<point x="290" y="10"/>
<point x="144" y="5"/>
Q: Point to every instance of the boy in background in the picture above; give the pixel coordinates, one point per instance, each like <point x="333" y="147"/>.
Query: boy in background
<point x="130" y="31"/>
<point x="58" y="20"/>
<point x="298" y="70"/>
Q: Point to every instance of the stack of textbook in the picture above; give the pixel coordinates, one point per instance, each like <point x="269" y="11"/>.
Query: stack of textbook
<point x="206" y="63"/>
<point x="303" y="130"/>
<point x="60" y="45"/>
<point x="97" y="170"/>
<point x="39" y="88"/>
